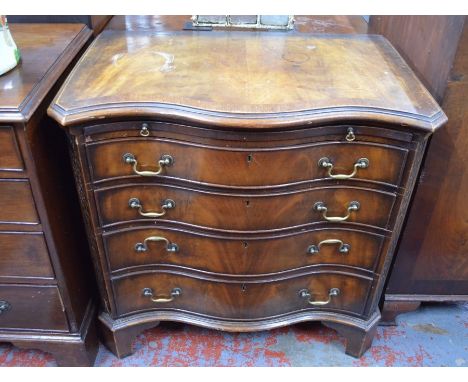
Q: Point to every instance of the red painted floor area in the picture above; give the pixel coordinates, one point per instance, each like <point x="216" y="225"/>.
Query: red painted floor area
<point x="435" y="335"/>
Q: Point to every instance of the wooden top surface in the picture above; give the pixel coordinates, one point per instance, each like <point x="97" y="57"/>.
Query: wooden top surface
<point x="244" y="79"/>
<point x="46" y="50"/>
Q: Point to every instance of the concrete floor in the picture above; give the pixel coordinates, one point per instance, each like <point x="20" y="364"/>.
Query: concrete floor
<point x="435" y="335"/>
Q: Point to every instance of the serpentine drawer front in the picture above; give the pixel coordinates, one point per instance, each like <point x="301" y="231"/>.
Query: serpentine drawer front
<point x="245" y="166"/>
<point x="247" y="211"/>
<point x="241" y="300"/>
<point x="242" y="254"/>
<point x="243" y="196"/>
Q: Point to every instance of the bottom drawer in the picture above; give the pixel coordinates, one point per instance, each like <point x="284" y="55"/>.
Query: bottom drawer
<point x="31" y="307"/>
<point x="241" y="299"/>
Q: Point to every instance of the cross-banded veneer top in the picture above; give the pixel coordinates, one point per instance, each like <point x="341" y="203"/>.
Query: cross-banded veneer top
<point x="245" y="80"/>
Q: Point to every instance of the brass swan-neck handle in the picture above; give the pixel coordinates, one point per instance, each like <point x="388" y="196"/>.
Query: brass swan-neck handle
<point x="166" y="205"/>
<point x="361" y="163"/>
<point x="322" y="207"/>
<point x="342" y="248"/>
<point x="148" y="292"/>
<point x="143" y="247"/>
<point x="164" y="161"/>
<point x="305" y="293"/>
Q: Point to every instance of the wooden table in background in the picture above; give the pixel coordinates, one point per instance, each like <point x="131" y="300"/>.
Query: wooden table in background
<point x="431" y="263"/>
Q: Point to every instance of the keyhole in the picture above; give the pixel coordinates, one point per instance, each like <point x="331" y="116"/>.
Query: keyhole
<point x="243" y="288"/>
<point x="245" y="244"/>
<point x="247" y="203"/>
<point x="249" y="158"/>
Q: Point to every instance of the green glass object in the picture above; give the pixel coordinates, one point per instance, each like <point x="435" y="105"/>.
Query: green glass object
<point x="9" y="53"/>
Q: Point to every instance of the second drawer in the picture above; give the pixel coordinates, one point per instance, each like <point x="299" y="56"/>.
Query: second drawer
<point x="241" y="256"/>
<point x="243" y="212"/>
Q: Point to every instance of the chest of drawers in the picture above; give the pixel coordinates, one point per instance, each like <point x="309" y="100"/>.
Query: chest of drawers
<point x="45" y="271"/>
<point x="243" y="181"/>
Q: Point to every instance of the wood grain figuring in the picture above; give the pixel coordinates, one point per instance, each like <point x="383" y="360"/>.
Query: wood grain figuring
<point x="273" y="81"/>
<point x="24" y="255"/>
<point x="242" y="255"/>
<point x="246" y="167"/>
<point x="10" y="155"/>
<point x="37" y="307"/>
<point x="240" y="300"/>
<point x="17" y="203"/>
<point x="247" y="212"/>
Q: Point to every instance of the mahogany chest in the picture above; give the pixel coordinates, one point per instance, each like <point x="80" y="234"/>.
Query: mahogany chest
<point x="243" y="181"/>
<point x="45" y="269"/>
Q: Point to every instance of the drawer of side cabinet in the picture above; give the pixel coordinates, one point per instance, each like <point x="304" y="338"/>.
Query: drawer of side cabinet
<point x="10" y="155"/>
<point x="249" y="255"/>
<point x="17" y="203"/>
<point x="31" y="307"/>
<point x="24" y="254"/>
<point x="241" y="300"/>
<point x="246" y="167"/>
<point x="243" y="212"/>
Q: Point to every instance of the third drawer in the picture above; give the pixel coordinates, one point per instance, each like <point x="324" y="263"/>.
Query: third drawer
<point x="242" y="255"/>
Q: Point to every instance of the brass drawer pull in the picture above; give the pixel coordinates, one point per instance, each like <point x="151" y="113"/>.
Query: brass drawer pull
<point x="166" y="205"/>
<point x="165" y="161"/>
<point x="143" y="247"/>
<point x="5" y="306"/>
<point x="304" y="293"/>
<point x="343" y="248"/>
<point x="322" y="207"/>
<point x="350" y="136"/>
<point x="144" y="132"/>
<point x="326" y="163"/>
<point x="148" y="292"/>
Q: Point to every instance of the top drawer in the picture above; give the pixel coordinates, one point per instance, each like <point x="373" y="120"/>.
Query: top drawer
<point x="10" y="156"/>
<point x="245" y="167"/>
